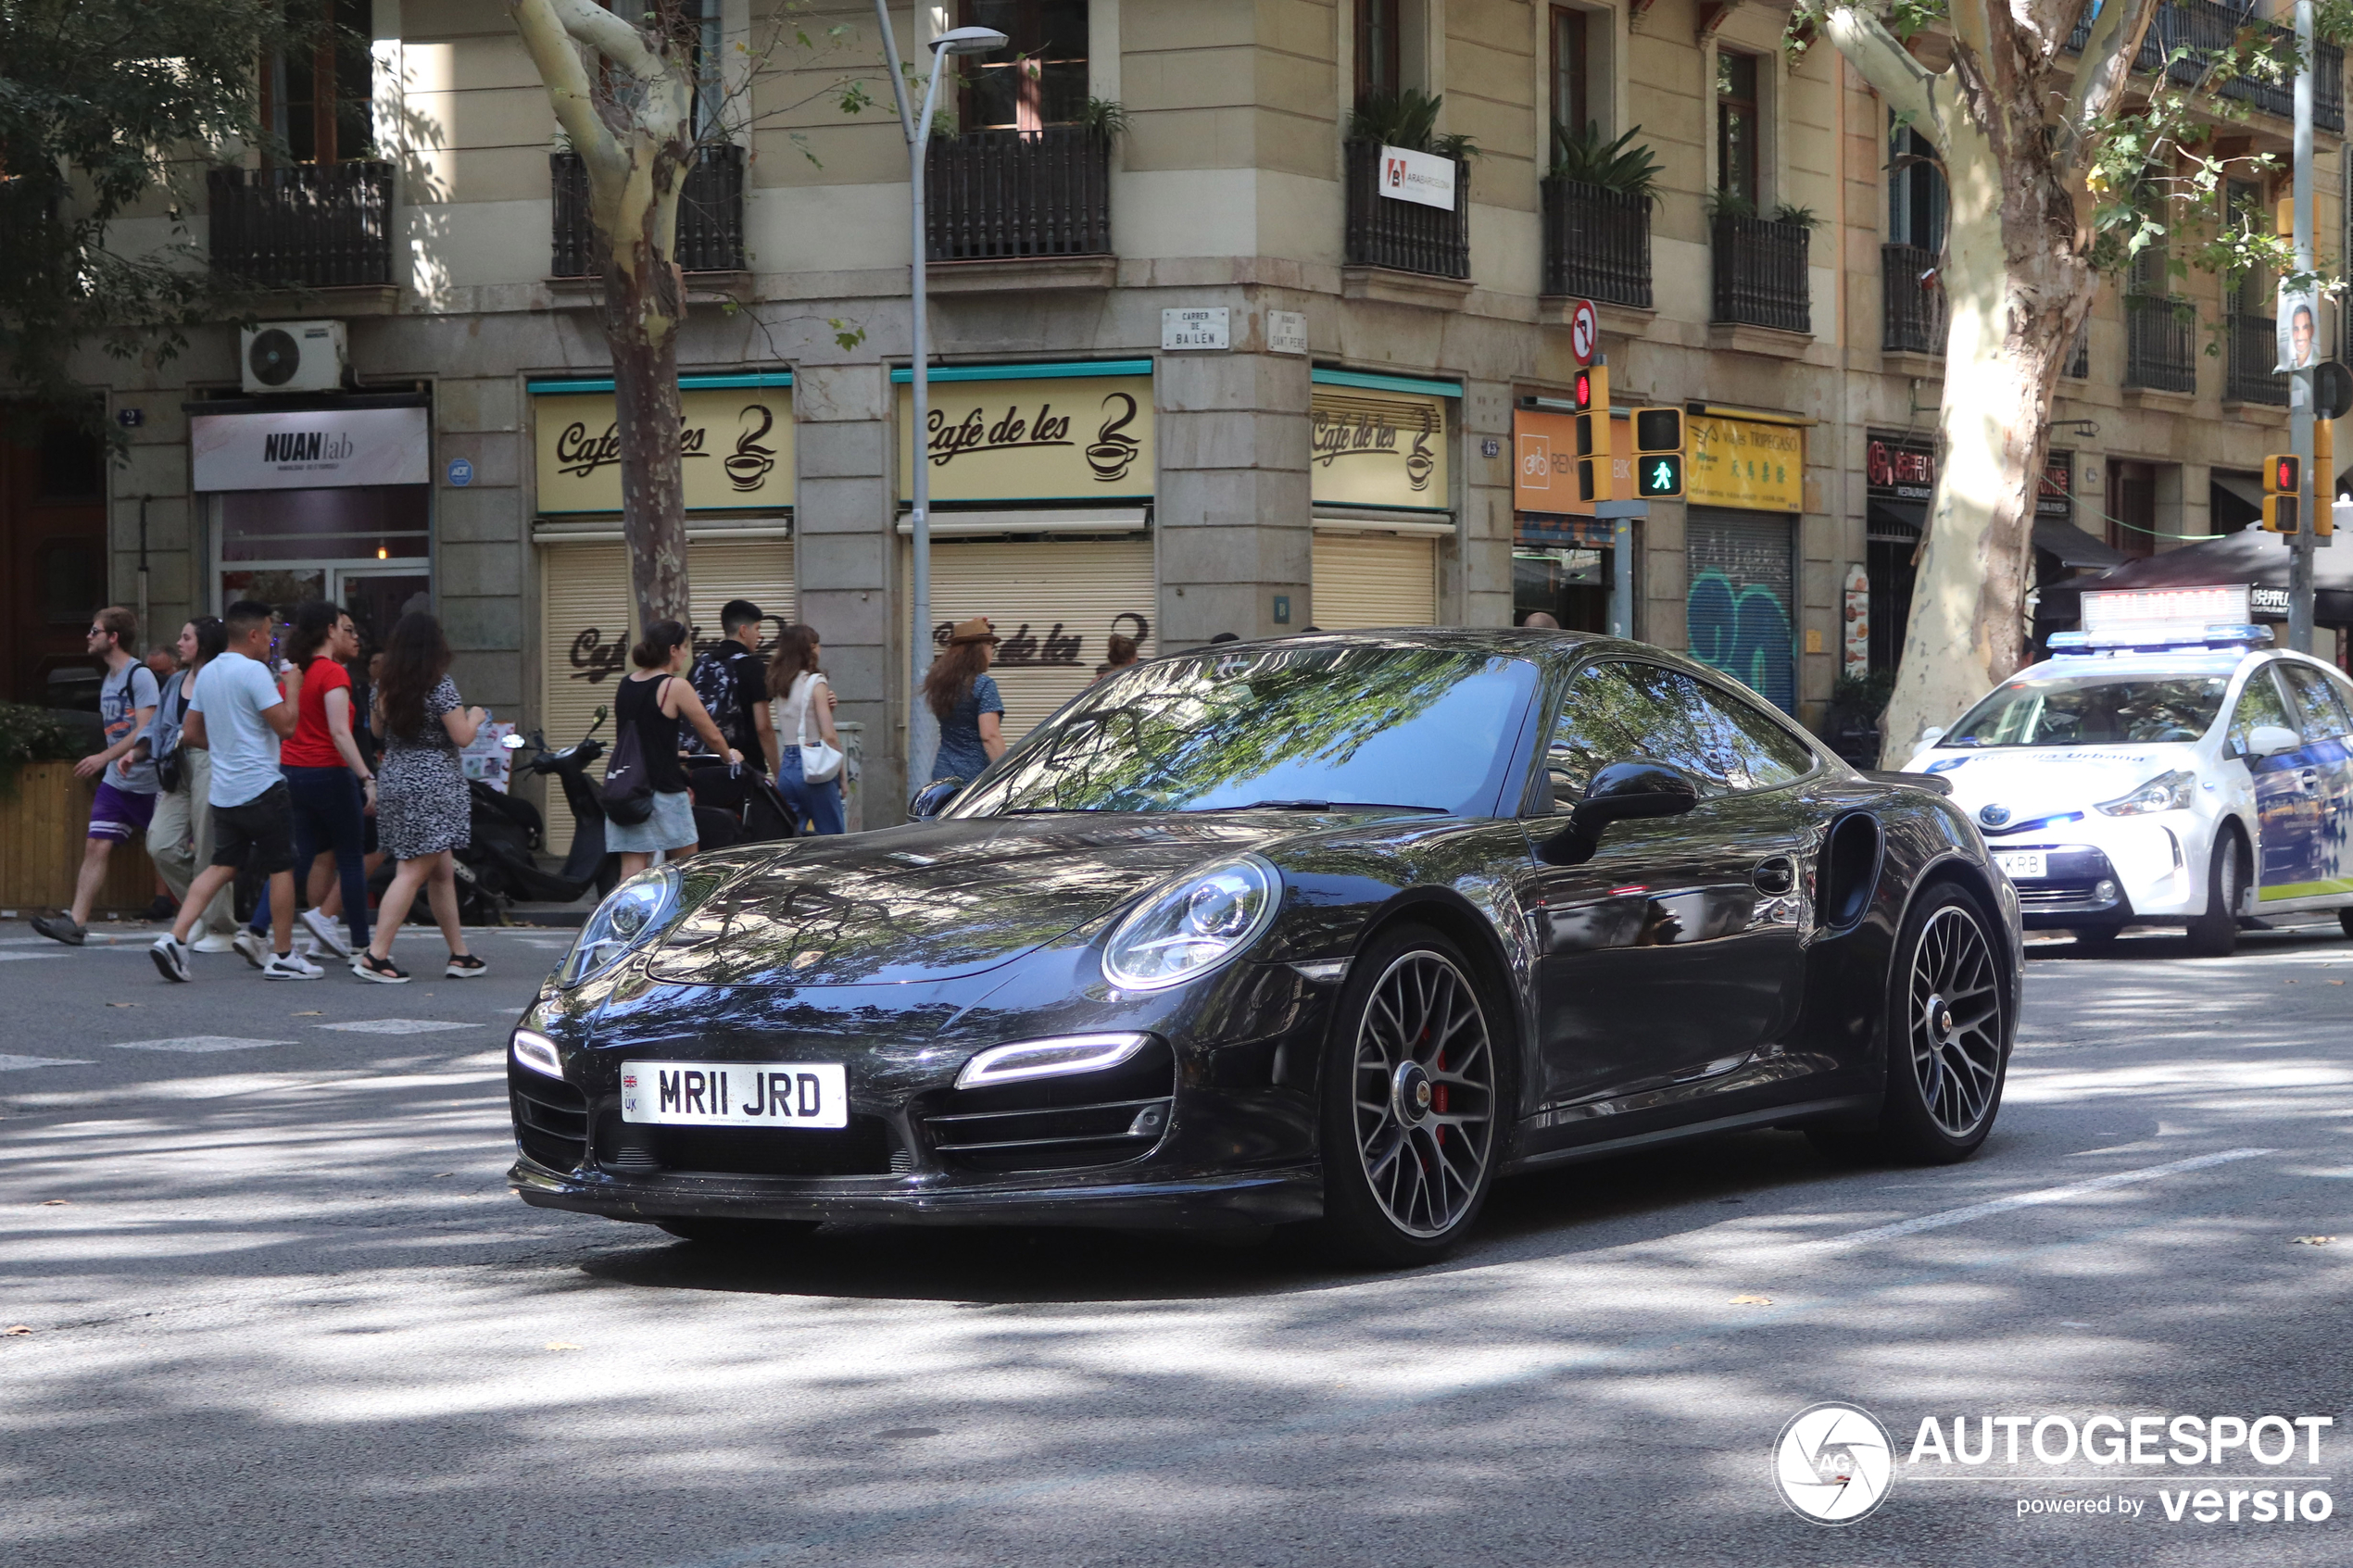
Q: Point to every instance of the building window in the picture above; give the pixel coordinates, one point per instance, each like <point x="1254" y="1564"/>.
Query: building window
<point x="2131" y="508"/>
<point x="2247" y="292"/>
<point x="1380" y="54"/>
<point x="1739" y="126"/>
<point x="320" y="101"/>
<point x="1572" y="59"/>
<point x="1040" y="78"/>
<point x="1914" y="191"/>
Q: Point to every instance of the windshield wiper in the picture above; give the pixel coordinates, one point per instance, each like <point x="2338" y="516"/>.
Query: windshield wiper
<point x="1324" y="806"/>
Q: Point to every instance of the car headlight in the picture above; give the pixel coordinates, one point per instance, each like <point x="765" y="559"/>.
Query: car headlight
<point x="2167" y="791"/>
<point x="1192" y="926"/>
<point x="632" y="915"/>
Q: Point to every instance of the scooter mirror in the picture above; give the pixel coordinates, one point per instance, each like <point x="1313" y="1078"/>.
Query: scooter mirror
<point x="514" y="743"/>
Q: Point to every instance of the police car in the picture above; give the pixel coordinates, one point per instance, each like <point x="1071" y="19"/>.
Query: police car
<point x="2156" y="774"/>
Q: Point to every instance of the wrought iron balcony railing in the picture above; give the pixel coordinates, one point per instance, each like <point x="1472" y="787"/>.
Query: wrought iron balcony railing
<point x="2253" y="349"/>
<point x="303" y="225"/>
<point x="1404" y="235"/>
<point x="711" y="214"/>
<point x="1761" y="274"/>
<point x="1911" y="301"/>
<point x="1597" y="243"/>
<point x="2206" y="27"/>
<point x="2158" y="350"/>
<point x="998" y="194"/>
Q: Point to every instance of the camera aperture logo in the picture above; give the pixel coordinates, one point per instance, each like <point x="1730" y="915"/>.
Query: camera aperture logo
<point x="1834" y="1462"/>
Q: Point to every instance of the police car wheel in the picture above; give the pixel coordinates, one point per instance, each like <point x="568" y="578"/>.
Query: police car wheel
<point x="2215" y="934"/>
<point x="2095" y="935"/>
<point x="747" y="1234"/>
<point x="2345" y="921"/>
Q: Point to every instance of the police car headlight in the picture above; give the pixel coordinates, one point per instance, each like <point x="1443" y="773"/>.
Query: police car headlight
<point x="2167" y="791"/>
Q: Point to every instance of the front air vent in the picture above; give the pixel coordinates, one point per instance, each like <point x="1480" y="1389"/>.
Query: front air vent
<point x="865" y="1147"/>
<point x="1850" y="871"/>
<point x="1056" y="1124"/>
<point x="552" y="1119"/>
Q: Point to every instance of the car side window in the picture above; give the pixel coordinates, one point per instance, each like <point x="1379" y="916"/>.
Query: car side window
<point x="1619" y="710"/>
<point x="2322" y="714"/>
<point x="2258" y="704"/>
<point x="1605" y="718"/>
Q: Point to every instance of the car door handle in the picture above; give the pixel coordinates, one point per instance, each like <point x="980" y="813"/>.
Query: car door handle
<point x="1775" y="875"/>
<point x="2309" y="778"/>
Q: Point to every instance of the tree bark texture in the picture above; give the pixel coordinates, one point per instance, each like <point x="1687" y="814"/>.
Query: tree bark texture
<point x="625" y="97"/>
<point x="2016" y="133"/>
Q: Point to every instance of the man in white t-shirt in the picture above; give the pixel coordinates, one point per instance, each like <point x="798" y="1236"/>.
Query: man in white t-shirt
<point x="240" y="714"/>
<point x="126" y="796"/>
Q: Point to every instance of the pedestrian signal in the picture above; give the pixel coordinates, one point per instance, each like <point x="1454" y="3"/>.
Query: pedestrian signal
<point x="1593" y="479"/>
<point x="1658" y="453"/>
<point x="2283" y="475"/>
<point x="2280" y="513"/>
<point x="1658" y="430"/>
<point x="2331" y="391"/>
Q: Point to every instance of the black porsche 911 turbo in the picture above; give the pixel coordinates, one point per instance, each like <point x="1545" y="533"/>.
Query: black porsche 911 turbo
<point x="1336" y="927"/>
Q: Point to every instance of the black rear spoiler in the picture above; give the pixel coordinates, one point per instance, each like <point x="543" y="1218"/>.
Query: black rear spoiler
<point x="1935" y="784"/>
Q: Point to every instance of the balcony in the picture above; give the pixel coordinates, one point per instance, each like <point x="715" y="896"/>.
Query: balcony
<point x="304" y="225"/>
<point x="1597" y="243"/>
<point x="1005" y="195"/>
<point x="1406" y="236"/>
<point x="711" y="215"/>
<point x="2158" y="352"/>
<point x="2079" y="360"/>
<point x="1761" y="274"/>
<point x="1911" y="301"/>
<point x="2254" y="349"/>
<point x="2205" y="29"/>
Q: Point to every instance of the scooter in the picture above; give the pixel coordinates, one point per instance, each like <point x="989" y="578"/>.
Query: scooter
<point x="737" y="805"/>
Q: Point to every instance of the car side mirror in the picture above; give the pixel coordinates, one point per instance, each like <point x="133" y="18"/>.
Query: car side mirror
<point x="2270" y="740"/>
<point x="933" y="798"/>
<point x="1931" y="736"/>
<point x="1636" y="787"/>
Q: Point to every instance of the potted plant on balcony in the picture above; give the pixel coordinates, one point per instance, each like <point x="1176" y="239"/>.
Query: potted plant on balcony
<point x="1760" y="262"/>
<point x="1597" y="215"/>
<point x="1406" y="236"/>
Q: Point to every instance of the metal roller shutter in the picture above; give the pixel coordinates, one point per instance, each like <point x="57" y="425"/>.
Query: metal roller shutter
<point x="1056" y="602"/>
<point x="1741" y="605"/>
<point x="1375" y="580"/>
<point x="583" y="588"/>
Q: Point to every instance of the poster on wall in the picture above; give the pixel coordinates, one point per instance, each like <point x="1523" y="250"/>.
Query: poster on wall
<point x="735" y="448"/>
<point x="2299" y="321"/>
<point x="1053" y="438"/>
<point x="1855" y="624"/>
<point x="1368" y="447"/>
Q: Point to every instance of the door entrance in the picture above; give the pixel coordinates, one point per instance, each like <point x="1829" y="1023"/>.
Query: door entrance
<point x="53" y="548"/>
<point x="377" y="599"/>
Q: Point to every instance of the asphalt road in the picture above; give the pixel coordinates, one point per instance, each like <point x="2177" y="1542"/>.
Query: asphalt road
<point x="283" y="1310"/>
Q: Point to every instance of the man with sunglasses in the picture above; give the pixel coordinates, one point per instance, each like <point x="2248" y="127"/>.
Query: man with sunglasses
<point x="127" y="788"/>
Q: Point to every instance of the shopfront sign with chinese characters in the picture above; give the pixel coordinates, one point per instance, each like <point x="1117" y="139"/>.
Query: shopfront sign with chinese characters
<point x="1745" y="463"/>
<point x="735" y="448"/>
<point x="1054" y="438"/>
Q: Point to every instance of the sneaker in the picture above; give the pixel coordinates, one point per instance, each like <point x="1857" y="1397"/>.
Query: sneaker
<point x="323" y="931"/>
<point x="213" y="942"/>
<point x="60" y="928"/>
<point x="250" y="946"/>
<point x="383" y="972"/>
<point x="465" y="966"/>
<point x="171" y="958"/>
<point x="288" y="966"/>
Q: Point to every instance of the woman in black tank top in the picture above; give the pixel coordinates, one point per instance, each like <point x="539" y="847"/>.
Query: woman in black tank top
<point x="656" y="706"/>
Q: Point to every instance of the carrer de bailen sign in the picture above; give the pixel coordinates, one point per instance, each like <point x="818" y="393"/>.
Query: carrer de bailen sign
<point x="311" y="449"/>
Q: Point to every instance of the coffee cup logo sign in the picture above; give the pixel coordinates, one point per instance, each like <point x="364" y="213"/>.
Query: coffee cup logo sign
<point x="594" y="659"/>
<point x="735" y="448"/>
<point x="1371" y="448"/>
<point x="1043" y="439"/>
<point x="1025" y="649"/>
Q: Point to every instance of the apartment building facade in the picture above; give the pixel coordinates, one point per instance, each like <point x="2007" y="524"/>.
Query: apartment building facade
<point x="1195" y="372"/>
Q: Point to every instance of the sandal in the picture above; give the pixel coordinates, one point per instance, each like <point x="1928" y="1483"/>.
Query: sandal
<point x="465" y="966"/>
<point x="383" y="972"/>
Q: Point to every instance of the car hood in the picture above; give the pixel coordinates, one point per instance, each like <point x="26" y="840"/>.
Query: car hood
<point x="940" y="900"/>
<point x="2033" y="783"/>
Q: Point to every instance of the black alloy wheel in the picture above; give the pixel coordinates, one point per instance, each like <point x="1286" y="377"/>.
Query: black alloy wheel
<point x="1414" y="1084"/>
<point x="2215" y="934"/>
<point x="1948" y="1040"/>
<point x="747" y="1235"/>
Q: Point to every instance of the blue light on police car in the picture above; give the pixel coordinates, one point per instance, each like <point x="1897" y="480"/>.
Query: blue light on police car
<point x="2159" y="636"/>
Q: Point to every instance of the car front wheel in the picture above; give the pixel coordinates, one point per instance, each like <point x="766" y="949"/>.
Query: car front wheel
<point x="2215" y="934"/>
<point x="1414" y="1091"/>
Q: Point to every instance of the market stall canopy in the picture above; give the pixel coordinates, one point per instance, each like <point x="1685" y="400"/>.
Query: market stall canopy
<point x="2251" y="555"/>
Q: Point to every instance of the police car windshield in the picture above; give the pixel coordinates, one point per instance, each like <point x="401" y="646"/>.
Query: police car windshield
<point x="2092" y="710"/>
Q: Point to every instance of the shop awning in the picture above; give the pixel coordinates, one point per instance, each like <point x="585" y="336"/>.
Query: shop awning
<point x="2075" y="548"/>
<point x="2251" y="555"/>
<point x="2245" y="489"/>
<point x="1897" y="520"/>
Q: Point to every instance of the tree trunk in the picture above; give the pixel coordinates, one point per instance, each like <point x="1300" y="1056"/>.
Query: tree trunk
<point x="642" y="304"/>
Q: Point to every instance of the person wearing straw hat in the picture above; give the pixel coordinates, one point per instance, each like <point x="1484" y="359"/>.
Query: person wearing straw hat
<point x="963" y="698"/>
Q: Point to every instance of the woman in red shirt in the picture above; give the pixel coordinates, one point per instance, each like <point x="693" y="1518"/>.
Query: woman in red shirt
<point x="325" y="774"/>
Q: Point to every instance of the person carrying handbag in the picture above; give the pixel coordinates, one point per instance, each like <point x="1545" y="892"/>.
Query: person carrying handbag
<point x="809" y="761"/>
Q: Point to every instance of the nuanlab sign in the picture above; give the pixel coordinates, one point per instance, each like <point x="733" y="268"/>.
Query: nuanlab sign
<point x="734" y="449"/>
<point x="1047" y="438"/>
<point x="312" y="449"/>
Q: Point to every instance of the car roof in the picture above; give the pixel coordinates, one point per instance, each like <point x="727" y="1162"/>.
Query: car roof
<point x="1520" y="641"/>
<point x="2183" y="662"/>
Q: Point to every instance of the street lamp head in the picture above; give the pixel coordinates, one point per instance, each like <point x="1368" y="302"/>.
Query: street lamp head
<point x="970" y="41"/>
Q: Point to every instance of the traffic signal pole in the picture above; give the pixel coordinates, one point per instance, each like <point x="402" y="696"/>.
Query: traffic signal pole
<point x="2319" y="489"/>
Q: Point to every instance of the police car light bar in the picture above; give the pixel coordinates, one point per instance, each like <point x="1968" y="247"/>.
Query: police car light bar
<point x="2157" y="638"/>
<point x="2104" y="609"/>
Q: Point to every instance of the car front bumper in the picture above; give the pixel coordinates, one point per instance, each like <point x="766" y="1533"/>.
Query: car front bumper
<point x="2153" y="871"/>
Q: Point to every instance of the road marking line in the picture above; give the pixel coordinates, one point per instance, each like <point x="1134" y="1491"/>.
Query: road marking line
<point x="395" y="1026"/>
<point x="196" y="1043"/>
<point x="18" y="1064"/>
<point x="2027" y="1199"/>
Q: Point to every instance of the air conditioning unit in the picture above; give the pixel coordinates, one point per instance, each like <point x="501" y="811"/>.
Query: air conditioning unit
<point x="295" y="357"/>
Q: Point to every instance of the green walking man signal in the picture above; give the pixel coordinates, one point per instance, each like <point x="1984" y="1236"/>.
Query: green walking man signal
<point x="1658" y="453"/>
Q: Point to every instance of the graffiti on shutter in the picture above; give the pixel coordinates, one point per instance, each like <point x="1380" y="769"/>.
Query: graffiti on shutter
<point x="1739" y="609"/>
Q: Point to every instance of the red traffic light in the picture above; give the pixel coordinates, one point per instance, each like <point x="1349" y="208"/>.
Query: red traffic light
<point x="2287" y="480"/>
<point x="2283" y="473"/>
<point x="1584" y="389"/>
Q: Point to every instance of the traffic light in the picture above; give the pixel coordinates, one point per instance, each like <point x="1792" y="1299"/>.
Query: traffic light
<point x="2323" y="486"/>
<point x="1658" y="453"/>
<point x="1593" y="436"/>
<point x="2282" y="491"/>
<point x="2280" y="513"/>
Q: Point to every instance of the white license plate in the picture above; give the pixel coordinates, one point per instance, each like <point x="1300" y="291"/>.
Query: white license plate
<point x="2026" y="864"/>
<point x="731" y="1093"/>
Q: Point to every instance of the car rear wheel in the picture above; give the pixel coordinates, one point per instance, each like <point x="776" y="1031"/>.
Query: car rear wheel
<point x="745" y="1234"/>
<point x="1948" y="1040"/>
<point x="1414" y="1090"/>
<point x="2215" y="934"/>
<point x="2345" y="921"/>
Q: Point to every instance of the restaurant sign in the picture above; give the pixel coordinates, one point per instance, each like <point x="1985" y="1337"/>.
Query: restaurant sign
<point x="735" y="446"/>
<point x="1054" y="438"/>
<point x="1745" y="463"/>
<point x="2056" y="495"/>
<point x="1369" y="447"/>
<point x="1899" y="470"/>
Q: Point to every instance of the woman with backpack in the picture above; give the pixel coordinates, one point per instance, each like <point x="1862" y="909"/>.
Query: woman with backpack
<point x="424" y="811"/>
<point x="800" y="709"/>
<point x="649" y="711"/>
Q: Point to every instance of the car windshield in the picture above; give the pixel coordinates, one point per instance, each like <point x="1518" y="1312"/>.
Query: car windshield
<point x="1302" y="727"/>
<point x="2092" y="710"/>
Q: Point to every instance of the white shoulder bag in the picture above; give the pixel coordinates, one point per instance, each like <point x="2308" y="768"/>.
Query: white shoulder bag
<point x="819" y="761"/>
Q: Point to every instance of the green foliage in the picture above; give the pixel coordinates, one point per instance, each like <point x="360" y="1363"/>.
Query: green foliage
<point x="1105" y="116"/>
<point x="1731" y="203"/>
<point x="1407" y="119"/>
<point x="1865" y="695"/>
<point x="33" y="735"/>
<point x="1583" y="156"/>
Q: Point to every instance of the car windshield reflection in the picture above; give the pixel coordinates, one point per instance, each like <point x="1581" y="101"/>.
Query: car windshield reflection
<point x="1309" y="727"/>
<point x="2091" y="711"/>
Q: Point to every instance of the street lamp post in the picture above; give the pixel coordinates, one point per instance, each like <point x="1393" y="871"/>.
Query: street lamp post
<point x="956" y="41"/>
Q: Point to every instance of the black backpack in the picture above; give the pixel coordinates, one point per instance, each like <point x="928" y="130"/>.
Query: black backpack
<point x="628" y="793"/>
<point x="714" y="678"/>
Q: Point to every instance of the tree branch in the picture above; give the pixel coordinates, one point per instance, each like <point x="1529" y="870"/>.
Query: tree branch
<point x="1909" y="87"/>
<point x="2101" y="74"/>
<point x="566" y="78"/>
<point x="610" y="36"/>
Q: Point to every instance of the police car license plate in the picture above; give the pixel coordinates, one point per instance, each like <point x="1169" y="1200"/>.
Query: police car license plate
<point x="2022" y="864"/>
<point x="713" y="1093"/>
